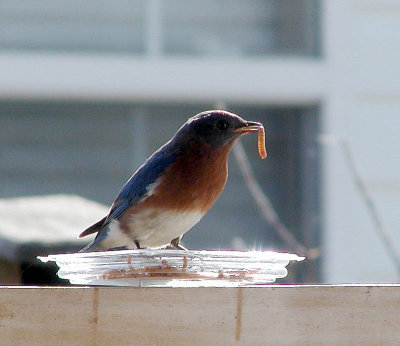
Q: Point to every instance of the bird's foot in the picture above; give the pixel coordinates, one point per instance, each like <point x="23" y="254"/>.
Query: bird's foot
<point x="175" y="244"/>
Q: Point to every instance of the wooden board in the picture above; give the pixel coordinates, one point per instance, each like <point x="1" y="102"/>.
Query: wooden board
<point x="272" y="315"/>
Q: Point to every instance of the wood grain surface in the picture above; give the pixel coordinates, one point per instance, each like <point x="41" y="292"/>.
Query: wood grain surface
<point x="268" y="315"/>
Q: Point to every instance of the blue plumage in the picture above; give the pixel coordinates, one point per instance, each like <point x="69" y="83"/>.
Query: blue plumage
<point x="133" y="191"/>
<point x="136" y="187"/>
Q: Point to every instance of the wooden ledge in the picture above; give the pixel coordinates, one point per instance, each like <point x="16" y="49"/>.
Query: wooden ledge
<point x="276" y="314"/>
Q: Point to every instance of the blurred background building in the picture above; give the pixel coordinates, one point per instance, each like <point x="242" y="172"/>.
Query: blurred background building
<point x="89" y="89"/>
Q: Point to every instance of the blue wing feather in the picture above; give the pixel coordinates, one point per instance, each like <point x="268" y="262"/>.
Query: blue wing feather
<point x="136" y="187"/>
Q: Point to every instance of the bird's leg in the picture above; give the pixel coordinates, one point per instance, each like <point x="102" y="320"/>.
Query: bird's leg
<point x="175" y="244"/>
<point x="137" y="244"/>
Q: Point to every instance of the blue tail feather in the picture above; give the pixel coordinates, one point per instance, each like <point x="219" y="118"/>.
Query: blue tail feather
<point x="94" y="245"/>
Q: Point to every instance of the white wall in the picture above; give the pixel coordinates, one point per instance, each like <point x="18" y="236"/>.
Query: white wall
<point x="129" y="78"/>
<point x="362" y="50"/>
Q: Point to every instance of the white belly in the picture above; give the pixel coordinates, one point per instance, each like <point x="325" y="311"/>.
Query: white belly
<point x="157" y="228"/>
<point x="151" y="228"/>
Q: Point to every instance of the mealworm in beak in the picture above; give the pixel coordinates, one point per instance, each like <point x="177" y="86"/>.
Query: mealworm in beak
<point x="262" y="150"/>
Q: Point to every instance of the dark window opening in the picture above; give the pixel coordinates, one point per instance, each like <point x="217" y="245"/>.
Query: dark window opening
<point x="91" y="149"/>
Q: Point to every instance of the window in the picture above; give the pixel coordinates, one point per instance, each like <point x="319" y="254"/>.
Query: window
<point x="79" y="26"/>
<point x="163" y="27"/>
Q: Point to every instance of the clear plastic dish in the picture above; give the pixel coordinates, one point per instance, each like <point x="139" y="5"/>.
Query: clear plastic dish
<point x="173" y="268"/>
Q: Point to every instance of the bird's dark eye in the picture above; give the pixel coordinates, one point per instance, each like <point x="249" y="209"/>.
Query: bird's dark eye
<point x="222" y="125"/>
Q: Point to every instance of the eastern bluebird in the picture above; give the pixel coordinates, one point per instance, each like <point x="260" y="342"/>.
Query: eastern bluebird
<point x="174" y="188"/>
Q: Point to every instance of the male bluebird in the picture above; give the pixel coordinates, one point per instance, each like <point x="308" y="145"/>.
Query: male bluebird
<point x="174" y="188"/>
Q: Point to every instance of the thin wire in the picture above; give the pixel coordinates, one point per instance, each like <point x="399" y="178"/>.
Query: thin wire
<point x="369" y="203"/>
<point x="265" y="206"/>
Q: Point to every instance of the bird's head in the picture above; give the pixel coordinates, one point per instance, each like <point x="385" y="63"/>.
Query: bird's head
<point x="217" y="128"/>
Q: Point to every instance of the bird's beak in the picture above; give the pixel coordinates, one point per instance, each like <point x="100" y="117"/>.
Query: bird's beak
<point x="251" y="126"/>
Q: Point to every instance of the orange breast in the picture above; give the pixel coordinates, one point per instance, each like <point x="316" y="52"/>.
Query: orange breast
<point x="192" y="183"/>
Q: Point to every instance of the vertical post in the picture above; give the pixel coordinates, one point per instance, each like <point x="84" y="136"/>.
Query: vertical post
<point x="154" y="28"/>
<point x="138" y="136"/>
<point x="309" y="184"/>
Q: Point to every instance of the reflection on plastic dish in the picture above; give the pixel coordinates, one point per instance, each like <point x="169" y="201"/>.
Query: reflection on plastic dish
<point x="173" y="268"/>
